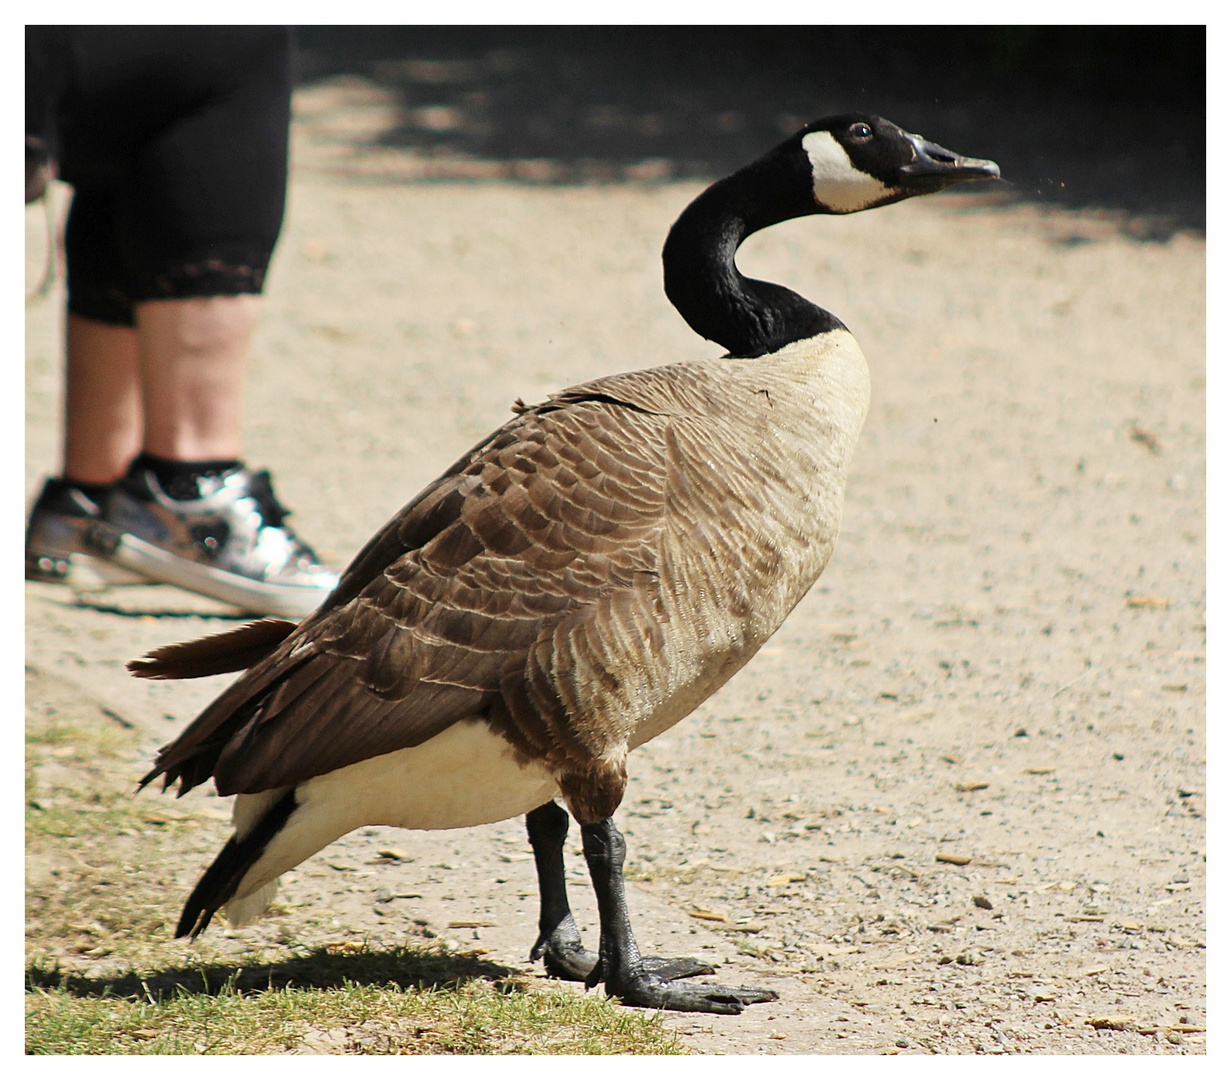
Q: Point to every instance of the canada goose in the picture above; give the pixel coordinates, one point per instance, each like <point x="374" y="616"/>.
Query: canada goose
<point x="570" y="588"/>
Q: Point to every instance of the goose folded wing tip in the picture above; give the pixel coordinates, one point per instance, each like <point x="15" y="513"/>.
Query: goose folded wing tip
<point x="149" y="666"/>
<point x="216" y="654"/>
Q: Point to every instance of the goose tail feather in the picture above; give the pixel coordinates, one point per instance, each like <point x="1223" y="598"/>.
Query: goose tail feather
<point x="219" y="884"/>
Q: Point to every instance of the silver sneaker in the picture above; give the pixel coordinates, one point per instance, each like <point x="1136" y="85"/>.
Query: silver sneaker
<point x="56" y="549"/>
<point x="230" y="544"/>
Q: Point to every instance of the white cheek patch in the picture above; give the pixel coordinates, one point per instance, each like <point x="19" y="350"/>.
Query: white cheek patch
<point x="836" y="183"/>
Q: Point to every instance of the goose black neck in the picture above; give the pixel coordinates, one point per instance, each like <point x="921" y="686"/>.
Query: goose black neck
<point x="747" y="317"/>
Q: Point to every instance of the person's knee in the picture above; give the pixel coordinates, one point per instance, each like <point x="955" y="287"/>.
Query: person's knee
<point x="202" y="324"/>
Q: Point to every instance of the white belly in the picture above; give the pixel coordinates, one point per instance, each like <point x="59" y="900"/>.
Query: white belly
<point x="466" y="775"/>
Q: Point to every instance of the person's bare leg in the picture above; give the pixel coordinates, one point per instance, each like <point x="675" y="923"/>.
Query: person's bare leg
<point x="194" y="363"/>
<point x="102" y="401"/>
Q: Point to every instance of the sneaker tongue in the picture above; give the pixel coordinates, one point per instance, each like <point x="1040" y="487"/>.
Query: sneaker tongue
<point x="261" y="488"/>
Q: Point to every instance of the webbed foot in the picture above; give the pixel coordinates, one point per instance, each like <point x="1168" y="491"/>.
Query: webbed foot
<point x="649" y="983"/>
<point x="563" y="954"/>
<point x="649" y="990"/>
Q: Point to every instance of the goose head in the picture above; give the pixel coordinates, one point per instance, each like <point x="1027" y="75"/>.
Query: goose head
<point x="838" y="165"/>
<point x="858" y="161"/>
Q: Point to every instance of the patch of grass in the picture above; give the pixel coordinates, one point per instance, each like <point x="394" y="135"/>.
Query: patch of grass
<point x="96" y="881"/>
<point x="95" y="911"/>
<point x="84" y="741"/>
<point x="105" y="815"/>
<point x="84" y="760"/>
<point x="396" y="1001"/>
<point x="88" y="732"/>
<point x="104" y="877"/>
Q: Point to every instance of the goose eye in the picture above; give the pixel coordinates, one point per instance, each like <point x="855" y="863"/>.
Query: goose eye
<point x="860" y="132"/>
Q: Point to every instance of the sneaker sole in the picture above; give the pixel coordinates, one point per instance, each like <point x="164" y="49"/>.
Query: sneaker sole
<point x="82" y="573"/>
<point x="138" y="556"/>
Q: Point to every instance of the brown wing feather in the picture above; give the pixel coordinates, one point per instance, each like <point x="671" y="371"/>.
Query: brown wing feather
<point x="443" y="609"/>
<point x="234" y="650"/>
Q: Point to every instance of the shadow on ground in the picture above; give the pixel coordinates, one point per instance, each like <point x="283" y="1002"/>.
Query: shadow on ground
<point x="320" y="969"/>
<point x="142" y="602"/>
<point x="1066" y="111"/>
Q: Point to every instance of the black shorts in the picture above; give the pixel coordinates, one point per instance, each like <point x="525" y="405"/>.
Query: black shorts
<point x="175" y="142"/>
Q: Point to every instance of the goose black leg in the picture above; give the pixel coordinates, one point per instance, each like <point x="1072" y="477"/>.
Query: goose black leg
<point x="559" y="944"/>
<point x="621" y="967"/>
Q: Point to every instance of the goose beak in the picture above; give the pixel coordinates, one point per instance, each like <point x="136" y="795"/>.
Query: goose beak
<point x="934" y="167"/>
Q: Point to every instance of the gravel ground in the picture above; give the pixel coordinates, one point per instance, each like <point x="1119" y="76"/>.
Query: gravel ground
<point x="957" y="804"/>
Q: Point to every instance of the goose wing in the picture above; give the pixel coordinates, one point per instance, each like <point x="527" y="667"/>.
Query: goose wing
<point x="439" y="614"/>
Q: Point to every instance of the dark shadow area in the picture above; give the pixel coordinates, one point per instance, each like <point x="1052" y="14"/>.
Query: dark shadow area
<point x="1106" y="117"/>
<point x="319" y="969"/>
<point x="145" y="611"/>
<point x="163" y="613"/>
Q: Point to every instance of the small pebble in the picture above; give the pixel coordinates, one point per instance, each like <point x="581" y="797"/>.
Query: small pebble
<point x="393" y="855"/>
<point x="1175" y="1038"/>
<point x="902" y="1043"/>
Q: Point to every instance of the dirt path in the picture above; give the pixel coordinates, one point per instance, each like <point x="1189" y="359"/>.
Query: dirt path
<point x="1004" y="664"/>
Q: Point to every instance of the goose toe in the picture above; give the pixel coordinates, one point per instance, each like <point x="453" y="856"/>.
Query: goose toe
<point x="648" y="990"/>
